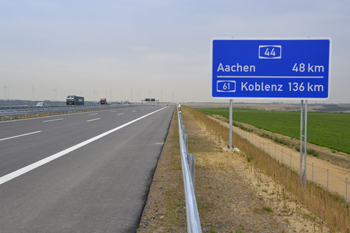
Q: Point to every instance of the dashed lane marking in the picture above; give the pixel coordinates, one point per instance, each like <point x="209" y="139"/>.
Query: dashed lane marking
<point x="53" y="120"/>
<point x="93" y="119"/>
<point x="3" y="139"/>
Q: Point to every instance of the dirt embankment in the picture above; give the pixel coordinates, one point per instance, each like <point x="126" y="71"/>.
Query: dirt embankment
<point x="231" y="195"/>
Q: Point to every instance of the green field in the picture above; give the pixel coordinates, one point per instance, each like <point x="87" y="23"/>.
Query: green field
<point x="330" y="130"/>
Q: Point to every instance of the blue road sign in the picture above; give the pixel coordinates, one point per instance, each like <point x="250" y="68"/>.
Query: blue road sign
<point x="271" y="68"/>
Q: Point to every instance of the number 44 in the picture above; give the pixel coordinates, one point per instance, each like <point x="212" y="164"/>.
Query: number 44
<point x="272" y="53"/>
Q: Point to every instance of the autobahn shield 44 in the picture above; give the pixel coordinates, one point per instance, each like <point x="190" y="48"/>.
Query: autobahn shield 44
<point x="271" y="68"/>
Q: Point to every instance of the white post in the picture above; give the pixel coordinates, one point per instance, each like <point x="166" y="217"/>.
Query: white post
<point x="282" y="156"/>
<point x="327" y="179"/>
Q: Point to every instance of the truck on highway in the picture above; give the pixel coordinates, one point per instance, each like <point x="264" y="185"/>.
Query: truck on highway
<point x="75" y="100"/>
<point x="103" y="101"/>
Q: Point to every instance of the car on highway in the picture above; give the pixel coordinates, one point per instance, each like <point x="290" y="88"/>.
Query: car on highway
<point x="40" y="105"/>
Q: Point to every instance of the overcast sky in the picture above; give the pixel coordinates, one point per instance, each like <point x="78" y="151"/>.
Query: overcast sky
<point x="152" y="47"/>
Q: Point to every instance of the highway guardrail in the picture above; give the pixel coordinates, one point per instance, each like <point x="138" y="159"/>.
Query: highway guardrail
<point x="188" y="173"/>
<point x="14" y="113"/>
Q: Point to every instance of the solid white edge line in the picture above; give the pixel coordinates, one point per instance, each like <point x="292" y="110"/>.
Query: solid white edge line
<point x="53" y="120"/>
<point x="3" y="139"/>
<point x="93" y="119"/>
<point x="35" y="165"/>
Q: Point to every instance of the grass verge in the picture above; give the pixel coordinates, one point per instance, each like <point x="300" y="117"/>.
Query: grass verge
<point x="325" y="129"/>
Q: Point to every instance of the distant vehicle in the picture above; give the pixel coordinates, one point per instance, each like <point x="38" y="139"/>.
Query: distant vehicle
<point x="120" y="102"/>
<point x="75" y="100"/>
<point x="40" y="104"/>
<point x="103" y="101"/>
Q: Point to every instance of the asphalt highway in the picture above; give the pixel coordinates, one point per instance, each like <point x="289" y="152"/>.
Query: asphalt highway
<point x="87" y="172"/>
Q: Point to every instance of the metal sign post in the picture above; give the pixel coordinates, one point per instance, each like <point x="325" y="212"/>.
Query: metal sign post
<point x="303" y="139"/>
<point x="230" y="138"/>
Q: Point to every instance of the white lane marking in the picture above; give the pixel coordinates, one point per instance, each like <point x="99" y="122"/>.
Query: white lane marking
<point x="93" y="114"/>
<point x="53" y="120"/>
<point x="3" y="139"/>
<point x="35" y="165"/>
<point x="93" y="119"/>
<point x="133" y="111"/>
<point x="120" y="114"/>
<point x="113" y="111"/>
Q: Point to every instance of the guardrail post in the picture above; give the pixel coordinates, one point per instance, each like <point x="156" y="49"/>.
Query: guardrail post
<point x="186" y="143"/>
<point x="191" y="165"/>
